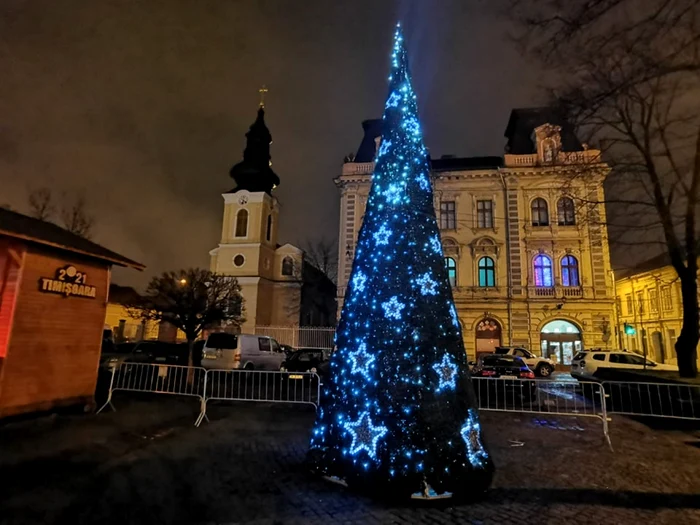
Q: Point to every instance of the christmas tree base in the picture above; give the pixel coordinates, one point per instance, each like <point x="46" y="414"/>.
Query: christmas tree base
<point x="336" y="480"/>
<point x="430" y="494"/>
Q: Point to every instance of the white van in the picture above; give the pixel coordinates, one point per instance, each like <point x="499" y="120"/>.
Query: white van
<point x="224" y="351"/>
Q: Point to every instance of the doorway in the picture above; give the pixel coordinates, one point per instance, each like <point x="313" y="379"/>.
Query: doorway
<point x="560" y="341"/>
<point x="488" y="336"/>
<point x="658" y="343"/>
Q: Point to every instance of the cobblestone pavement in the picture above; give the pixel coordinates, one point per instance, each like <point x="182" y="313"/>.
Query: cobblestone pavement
<point x="146" y="463"/>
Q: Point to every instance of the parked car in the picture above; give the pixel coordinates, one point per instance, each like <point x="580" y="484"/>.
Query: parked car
<point x="243" y="351"/>
<point x="114" y="355"/>
<point x="304" y="360"/>
<point x="542" y="366"/>
<point x="510" y="370"/>
<point x="585" y="364"/>
<point x="288" y="349"/>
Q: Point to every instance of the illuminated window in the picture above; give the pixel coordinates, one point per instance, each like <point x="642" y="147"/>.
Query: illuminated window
<point x="487" y="272"/>
<point x="565" y="212"/>
<point x="484" y="214"/>
<point x="451" y="266"/>
<point x="654" y="301"/>
<point x="543" y="271"/>
<point x="640" y="302"/>
<point x="569" y="271"/>
<point x="540" y="212"/>
<point x="242" y="223"/>
<point x="630" y="304"/>
<point x="666" y="298"/>
<point x="448" y="217"/>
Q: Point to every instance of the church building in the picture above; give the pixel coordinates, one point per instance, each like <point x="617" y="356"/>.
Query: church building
<point x="279" y="287"/>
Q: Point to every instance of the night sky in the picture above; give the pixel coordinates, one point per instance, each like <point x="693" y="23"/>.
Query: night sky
<point x="143" y="105"/>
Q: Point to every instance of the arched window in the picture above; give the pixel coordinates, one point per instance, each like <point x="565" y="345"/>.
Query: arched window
<point x="543" y="271"/>
<point x="487" y="272"/>
<point x="565" y="212"/>
<point x="242" y="223"/>
<point x="288" y="266"/>
<point x="451" y="266"/>
<point x="569" y="271"/>
<point x="540" y="212"/>
<point x="269" y="227"/>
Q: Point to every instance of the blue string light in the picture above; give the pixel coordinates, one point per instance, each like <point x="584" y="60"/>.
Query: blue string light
<point x="365" y="435"/>
<point x="400" y="352"/>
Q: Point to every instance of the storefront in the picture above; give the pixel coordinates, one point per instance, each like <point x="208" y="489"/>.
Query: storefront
<point x="560" y="340"/>
<point x="53" y="299"/>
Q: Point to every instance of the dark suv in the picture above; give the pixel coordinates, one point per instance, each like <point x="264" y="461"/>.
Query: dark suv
<point x="512" y="380"/>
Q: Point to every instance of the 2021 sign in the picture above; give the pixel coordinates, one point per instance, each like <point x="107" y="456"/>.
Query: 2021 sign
<point x="68" y="281"/>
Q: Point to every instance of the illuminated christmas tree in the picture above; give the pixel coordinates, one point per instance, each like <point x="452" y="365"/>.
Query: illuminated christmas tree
<point x="398" y="414"/>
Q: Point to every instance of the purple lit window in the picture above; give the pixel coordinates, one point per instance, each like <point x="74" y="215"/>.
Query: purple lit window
<point x="569" y="271"/>
<point x="543" y="271"/>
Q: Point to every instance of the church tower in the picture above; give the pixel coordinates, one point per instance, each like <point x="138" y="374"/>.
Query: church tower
<point x="269" y="275"/>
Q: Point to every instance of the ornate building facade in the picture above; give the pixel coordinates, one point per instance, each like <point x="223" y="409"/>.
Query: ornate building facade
<point x="529" y="266"/>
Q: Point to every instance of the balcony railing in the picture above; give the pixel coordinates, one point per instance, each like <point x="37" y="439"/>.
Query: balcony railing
<point x="358" y="168"/>
<point x="590" y="156"/>
<point x="569" y="292"/>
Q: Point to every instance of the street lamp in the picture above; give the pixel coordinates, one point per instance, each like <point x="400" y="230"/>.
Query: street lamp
<point x="183" y="281"/>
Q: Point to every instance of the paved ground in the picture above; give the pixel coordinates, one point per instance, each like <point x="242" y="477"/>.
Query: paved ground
<point x="146" y="463"/>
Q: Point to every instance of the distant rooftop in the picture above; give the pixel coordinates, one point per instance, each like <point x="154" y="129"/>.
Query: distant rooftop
<point x="19" y="226"/>
<point x="522" y="123"/>
<point x="519" y="132"/>
<point x="655" y="263"/>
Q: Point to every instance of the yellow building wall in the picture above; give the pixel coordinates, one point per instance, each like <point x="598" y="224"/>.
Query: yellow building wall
<point x="650" y="302"/>
<point x="133" y="329"/>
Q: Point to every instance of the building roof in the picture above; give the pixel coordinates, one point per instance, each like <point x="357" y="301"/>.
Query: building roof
<point x="522" y="123"/>
<point x="655" y="263"/>
<point x="124" y="295"/>
<point x="368" y="147"/>
<point x="18" y="226"/>
<point x="254" y="173"/>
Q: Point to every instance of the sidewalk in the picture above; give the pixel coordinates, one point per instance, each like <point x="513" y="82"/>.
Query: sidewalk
<point x="146" y="463"/>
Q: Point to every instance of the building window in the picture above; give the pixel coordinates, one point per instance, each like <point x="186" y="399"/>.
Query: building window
<point x="448" y="219"/>
<point x="268" y="235"/>
<point x="543" y="271"/>
<point x="653" y="301"/>
<point x="242" y="223"/>
<point x="288" y="266"/>
<point x="540" y="212"/>
<point x="569" y="271"/>
<point x="565" y="212"/>
<point x="484" y="214"/>
<point x="239" y="260"/>
<point x="666" y="299"/>
<point x="630" y="304"/>
<point x="451" y="266"/>
<point x="640" y="302"/>
<point x="487" y="272"/>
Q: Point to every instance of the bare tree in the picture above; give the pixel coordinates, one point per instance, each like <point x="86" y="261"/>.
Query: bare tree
<point x="75" y="217"/>
<point x="323" y="255"/>
<point x="41" y="205"/>
<point x="191" y="300"/>
<point x="627" y="73"/>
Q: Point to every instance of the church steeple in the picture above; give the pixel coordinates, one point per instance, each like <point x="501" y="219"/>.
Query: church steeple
<point x="254" y="173"/>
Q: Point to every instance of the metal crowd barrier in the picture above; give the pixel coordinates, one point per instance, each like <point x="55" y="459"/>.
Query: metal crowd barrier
<point x="259" y="385"/>
<point x="543" y="397"/>
<point x="221" y="385"/>
<point x="159" y="379"/>
<point x="667" y="400"/>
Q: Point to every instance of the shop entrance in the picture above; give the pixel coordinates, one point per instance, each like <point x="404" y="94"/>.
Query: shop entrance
<point x="560" y="341"/>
